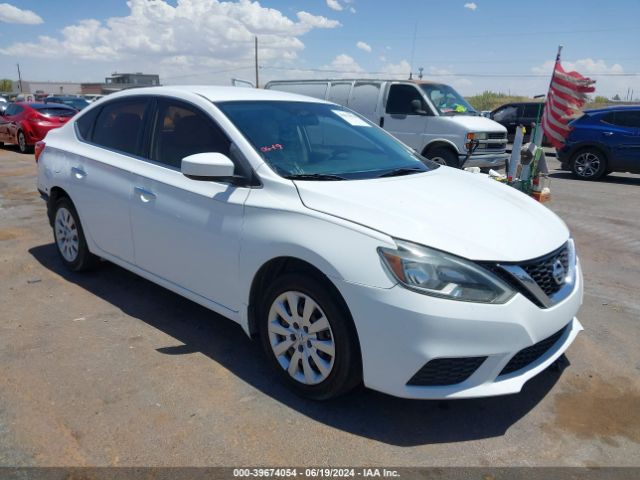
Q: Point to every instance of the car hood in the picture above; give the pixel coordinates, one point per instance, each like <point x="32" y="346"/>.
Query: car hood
<point x="475" y="124"/>
<point x="459" y="212"/>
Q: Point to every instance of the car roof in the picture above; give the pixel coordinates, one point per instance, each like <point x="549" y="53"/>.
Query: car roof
<point x="218" y="93"/>
<point x="45" y="105"/>
<point x="612" y="109"/>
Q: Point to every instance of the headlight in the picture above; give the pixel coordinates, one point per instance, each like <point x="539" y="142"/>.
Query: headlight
<point x="439" y="274"/>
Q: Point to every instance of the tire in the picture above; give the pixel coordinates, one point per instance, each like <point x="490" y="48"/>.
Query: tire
<point x="69" y="237"/>
<point x="22" y="143"/>
<point x="443" y="156"/>
<point x="286" y="335"/>
<point x="589" y="164"/>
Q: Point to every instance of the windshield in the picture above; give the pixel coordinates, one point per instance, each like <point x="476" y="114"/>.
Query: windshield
<point x="321" y="142"/>
<point x="77" y="103"/>
<point x="446" y="100"/>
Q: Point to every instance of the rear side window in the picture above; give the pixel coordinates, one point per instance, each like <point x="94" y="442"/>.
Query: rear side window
<point x="626" y="118"/>
<point x="119" y="126"/>
<point x="339" y="93"/>
<point x="531" y="110"/>
<point x="182" y="130"/>
<point x="364" y="98"/>
<point x="400" y="98"/>
<point x="506" y="114"/>
<point x="316" y="90"/>
<point x="85" y="124"/>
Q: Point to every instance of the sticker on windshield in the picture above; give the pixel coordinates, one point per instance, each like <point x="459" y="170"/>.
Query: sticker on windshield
<point x="351" y="119"/>
<point x="271" y="148"/>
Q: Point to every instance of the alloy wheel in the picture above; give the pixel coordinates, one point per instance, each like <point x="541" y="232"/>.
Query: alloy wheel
<point x="22" y="142"/>
<point x="66" y="234"/>
<point x="587" y="164"/>
<point x="301" y="338"/>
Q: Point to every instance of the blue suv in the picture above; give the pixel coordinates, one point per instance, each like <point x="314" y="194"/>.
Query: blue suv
<point x="603" y="141"/>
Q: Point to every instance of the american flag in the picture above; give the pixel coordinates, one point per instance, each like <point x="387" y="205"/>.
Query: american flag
<point x="567" y="94"/>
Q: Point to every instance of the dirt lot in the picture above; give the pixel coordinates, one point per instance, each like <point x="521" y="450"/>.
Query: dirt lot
<point x="106" y="368"/>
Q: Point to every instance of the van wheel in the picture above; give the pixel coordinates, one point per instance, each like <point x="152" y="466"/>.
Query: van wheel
<point x="443" y="156"/>
<point x="69" y="237"/>
<point x="309" y="337"/>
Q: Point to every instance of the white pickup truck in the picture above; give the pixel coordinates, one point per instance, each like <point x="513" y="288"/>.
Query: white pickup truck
<point x="432" y="118"/>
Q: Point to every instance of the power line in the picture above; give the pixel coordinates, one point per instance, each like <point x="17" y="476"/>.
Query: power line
<point x="468" y="74"/>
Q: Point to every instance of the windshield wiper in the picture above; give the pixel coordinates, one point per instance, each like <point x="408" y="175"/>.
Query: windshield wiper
<point x="401" y="171"/>
<point x="314" y="176"/>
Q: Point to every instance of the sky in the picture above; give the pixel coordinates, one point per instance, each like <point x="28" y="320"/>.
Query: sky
<point x="500" y="45"/>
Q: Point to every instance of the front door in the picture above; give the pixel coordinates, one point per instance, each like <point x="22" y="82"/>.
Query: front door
<point x="403" y="120"/>
<point x="187" y="231"/>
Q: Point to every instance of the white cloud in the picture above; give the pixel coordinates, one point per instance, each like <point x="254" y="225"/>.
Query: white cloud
<point x="584" y="66"/>
<point x="399" y="70"/>
<point x="352" y="10"/>
<point x="364" y="46"/>
<point x="344" y="63"/>
<point x="192" y="37"/>
<point x="471" y="6"/>
<point x="334" y="5"/>
<point x="607" y="86"/>
<point x="11" y="14"/>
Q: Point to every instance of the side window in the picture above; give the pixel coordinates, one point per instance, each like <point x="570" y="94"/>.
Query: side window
<point x="530" y="111"/>
<point x="85" y="124"/>
<point x="623" y="118"/>
<point x="10" y="109"/>
<point x="339" y="93"/>
<point x="182" y="130"/>
<point x="364" y="98"/>
<point x="316" y="90"/>
<point x="506" y="114"/>
<point x="400" y="98"/>
<point x="119" y="125"/>
<point x="17" y="109"/>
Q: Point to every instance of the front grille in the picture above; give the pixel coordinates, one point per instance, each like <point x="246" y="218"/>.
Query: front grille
<point x="497" y="136"/>
<point x="446" y="371"/>
<point x="541" y="270"/>
<point x="530" y="354"/>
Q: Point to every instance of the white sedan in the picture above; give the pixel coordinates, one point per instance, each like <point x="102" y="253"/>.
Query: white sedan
<point x="353" y="259"/>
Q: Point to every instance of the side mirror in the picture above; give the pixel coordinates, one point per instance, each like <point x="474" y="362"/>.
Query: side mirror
<point x="207" y="166"/>
<point x="416" y="107"/>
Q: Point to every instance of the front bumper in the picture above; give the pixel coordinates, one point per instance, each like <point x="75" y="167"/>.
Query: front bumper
<point x="400" y="331"/>
<point x="489" y="160"/>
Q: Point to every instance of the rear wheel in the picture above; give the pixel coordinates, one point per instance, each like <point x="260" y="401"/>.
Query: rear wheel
<point x="443" y="156"/>
<point x="309" y="337"/>
<point x="589" y="164"/>
<point x="22" y="143"/>
<point x="69" y="237"/>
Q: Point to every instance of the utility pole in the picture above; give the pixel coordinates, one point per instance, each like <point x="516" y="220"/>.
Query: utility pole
<point x="256" y="44"/>
<point x="19" y="78"/>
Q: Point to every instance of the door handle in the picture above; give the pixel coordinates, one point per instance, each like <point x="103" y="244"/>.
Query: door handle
<point x="78" y="173"/>
<point x="145" y="195"/>
<point x="607" y="134"/>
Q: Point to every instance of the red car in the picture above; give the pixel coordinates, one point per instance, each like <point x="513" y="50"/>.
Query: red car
<point x="26" y="123"/>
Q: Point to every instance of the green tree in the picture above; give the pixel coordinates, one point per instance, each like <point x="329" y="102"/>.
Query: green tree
<point x="6" y="85"/>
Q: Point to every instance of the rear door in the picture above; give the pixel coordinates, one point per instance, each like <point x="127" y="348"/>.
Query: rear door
<point x="187" y="231"/>
<point x="622" y="133"/>
<point x="364" y="98"/>
<point x="100" y="179"/>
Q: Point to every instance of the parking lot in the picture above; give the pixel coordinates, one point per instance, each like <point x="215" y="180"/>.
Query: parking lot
<point x="106" y="368"/>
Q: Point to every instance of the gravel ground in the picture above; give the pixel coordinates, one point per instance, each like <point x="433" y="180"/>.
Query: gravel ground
<point x="106" y="368"/>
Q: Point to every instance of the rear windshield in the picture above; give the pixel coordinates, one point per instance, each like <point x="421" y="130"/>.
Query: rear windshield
<point x="56" y="111"/>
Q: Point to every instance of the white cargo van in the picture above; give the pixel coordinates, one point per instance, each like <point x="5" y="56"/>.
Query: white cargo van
<point x="432" y="118"/>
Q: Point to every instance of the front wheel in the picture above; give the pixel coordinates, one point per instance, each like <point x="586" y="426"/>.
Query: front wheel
<point x="69" y="237"/>
<point x="443" y="156"/>
<point x="589" y="164"/>
<point x="309" y="337"/>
